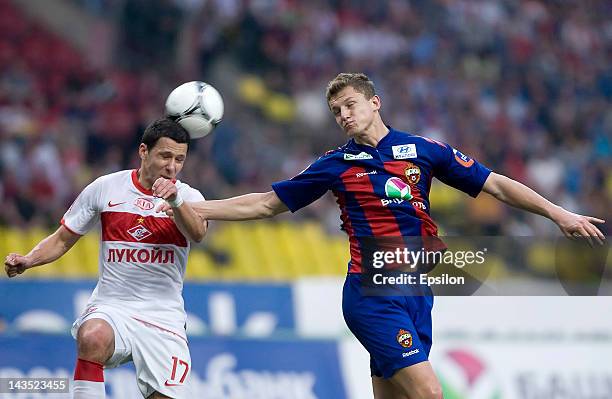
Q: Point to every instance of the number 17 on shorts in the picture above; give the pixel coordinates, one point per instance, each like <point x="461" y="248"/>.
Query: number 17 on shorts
<point x="180" y="368"/>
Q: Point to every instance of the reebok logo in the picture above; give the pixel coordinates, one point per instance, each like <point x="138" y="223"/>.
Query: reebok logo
<point x="412" y="352"/>
<point x="361" y="174"/>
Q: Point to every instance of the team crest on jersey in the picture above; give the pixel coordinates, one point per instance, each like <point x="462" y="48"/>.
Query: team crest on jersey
<point x="397" y="188"/>
<point x="413" y="173"/>
<point x="361" y="155"/>
<point x="463" y="159"/>
<point x="144" y="203"/>
<point x="404" y="151"/>
<point x="404" y="338"/>
<point x="139" y="232"/>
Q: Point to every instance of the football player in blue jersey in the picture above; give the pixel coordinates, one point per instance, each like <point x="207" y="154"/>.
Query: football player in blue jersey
<point x="381" y="178"/>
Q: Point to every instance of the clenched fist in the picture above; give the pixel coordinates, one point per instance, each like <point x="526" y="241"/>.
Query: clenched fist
<point x="15" y="264"/>
<point x="164" y="188"/>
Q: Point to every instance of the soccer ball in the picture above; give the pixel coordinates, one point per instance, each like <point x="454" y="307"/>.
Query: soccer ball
<point x="197" y="106"/>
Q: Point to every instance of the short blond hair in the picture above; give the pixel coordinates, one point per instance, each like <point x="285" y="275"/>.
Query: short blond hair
<point x="358" y="81"/>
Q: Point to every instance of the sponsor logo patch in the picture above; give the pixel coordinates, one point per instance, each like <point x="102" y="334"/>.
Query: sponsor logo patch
<point x="413" y="173"/>
<point x="397" y="188"/>
<point x="419" y="204"/>
<point x="404" y="151"/>
<point x="463" y="159"/>
<point x="361" y="174"/>
<point x="387" y="202"/>
<point x="361" y="155"/>
<point x="144" y="203"/>
<point x="412" y="352"/>
<point x="139" y="232"/>
<point x="404" y="338"/>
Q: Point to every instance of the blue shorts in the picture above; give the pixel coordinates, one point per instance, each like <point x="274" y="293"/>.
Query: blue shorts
<point x="395" y="330"/>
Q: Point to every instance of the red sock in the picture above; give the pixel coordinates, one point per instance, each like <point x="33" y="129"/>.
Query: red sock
<point x="88" y="371"/>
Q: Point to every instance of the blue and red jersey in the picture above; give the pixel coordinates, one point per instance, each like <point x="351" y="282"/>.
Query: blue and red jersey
<point x="383" y="191"/>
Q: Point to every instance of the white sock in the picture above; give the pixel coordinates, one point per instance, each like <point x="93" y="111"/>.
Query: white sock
<point x="88" y="390"/>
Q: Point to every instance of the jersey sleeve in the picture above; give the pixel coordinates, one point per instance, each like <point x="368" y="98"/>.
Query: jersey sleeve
<point x="306" y="187"/>
<point x="189" y="193"/>
<point x="84" y="212"/>
<point x="459" y="171"/>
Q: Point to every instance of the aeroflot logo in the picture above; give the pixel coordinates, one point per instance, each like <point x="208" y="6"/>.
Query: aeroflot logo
<point x="361" y="155"/>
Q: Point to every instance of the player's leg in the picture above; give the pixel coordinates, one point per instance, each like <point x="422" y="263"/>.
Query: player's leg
<point x="157" y="395"/>
<point x="96" y="344"/>
<point x="396" y="331"/>
<point x="417" y="382"/>
<point x="162" y="361"/>
<point x="384" y="389"/>
<point x="96" y="341"/>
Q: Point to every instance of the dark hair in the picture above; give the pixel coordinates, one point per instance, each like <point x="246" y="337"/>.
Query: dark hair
<point x="358" y="81"/>
<point x="164" y="128"/>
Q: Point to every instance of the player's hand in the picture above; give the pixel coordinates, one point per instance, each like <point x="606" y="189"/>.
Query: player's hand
<point x="15" y="264"/>
<point x="164" y="188"/>
<point x="576" y="226"/>
<point x="165" y="208"/>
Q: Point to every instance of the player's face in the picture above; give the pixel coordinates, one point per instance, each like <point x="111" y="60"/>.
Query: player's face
<point x="165" y="159"/>
<point x="353" y="111"/>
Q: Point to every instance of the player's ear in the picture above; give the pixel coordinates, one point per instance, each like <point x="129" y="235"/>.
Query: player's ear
<point x="376" y="102"/>
<point x="142" y="151"/>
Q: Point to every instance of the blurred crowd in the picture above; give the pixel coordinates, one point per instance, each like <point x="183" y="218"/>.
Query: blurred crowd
<point x="525" y="87"/>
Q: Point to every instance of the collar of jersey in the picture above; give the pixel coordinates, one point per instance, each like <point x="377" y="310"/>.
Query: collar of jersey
<point x="384" y="142"/>
<point x="137" y="184"/>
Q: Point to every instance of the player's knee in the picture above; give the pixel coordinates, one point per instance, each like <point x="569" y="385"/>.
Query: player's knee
<point x="95" y="341"/>
<point x="431" y="391"/>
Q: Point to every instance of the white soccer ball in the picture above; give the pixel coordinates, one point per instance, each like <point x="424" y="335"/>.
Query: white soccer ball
<point x="197" y="106"/>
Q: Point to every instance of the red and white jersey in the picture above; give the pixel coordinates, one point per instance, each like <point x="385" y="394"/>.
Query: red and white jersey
<point x="142" y="253"/>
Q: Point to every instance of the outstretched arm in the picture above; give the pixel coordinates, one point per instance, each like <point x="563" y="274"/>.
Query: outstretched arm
<point x="244" y="207"/>
<point x="520" y="196"/>
<point x="48" y="250"/>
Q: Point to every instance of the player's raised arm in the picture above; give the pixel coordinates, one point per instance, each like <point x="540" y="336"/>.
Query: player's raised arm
<point x="48" y="250"/>
<point x="244" y="207"/>
<point x="520" y="196"/>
